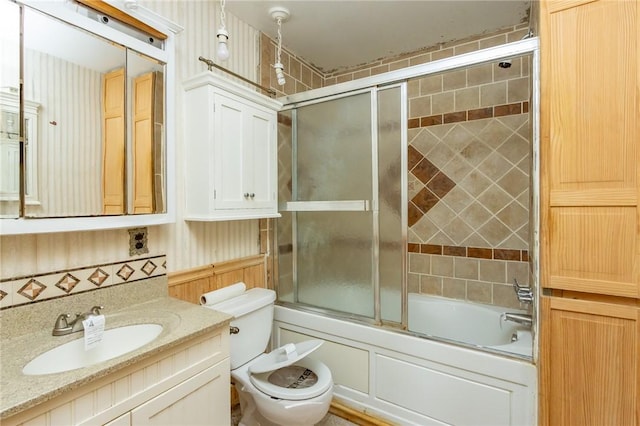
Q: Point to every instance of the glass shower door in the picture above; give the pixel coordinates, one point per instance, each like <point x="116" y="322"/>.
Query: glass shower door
<point x="341" y="244"/>
<point x="331" y="198"/>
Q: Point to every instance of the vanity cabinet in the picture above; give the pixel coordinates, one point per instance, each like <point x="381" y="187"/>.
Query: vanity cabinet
<point x="231" y="160"/>
<point x="590" y="212"/>
<point x="188" y="384"/>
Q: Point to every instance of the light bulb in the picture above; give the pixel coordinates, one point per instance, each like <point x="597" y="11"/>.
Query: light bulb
<point x="222" y="51"/>
<point x="279" y="74"/>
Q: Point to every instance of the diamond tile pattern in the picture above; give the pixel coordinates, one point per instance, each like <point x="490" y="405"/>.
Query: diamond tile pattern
<point x="67" y="283"/>
<point x="32" y="289"/>
<point x="474" y="168"/>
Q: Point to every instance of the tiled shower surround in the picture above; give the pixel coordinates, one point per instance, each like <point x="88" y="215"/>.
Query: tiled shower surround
<point x="468" y="186"/>
<point x="31" y="289"/>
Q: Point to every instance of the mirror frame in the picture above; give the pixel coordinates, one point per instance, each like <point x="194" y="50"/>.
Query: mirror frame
<point x="24" y="225"/>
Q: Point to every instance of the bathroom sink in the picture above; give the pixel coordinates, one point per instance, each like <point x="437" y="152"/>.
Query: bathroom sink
<point x="72" y="355"/>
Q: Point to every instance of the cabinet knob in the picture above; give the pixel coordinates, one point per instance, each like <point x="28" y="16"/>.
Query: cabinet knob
<point x="246" y="195"/>
<point x="252" y="195"/>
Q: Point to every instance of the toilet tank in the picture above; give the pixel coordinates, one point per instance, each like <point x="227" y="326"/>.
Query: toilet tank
<point x="253" y="315"/>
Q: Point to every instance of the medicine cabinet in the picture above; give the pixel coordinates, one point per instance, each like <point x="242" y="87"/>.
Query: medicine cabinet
<point x="87" y="137"/>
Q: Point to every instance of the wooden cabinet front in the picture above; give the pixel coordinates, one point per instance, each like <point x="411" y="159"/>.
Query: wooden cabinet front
<point x="590" y="128"/>
<point x="590" y="362"/>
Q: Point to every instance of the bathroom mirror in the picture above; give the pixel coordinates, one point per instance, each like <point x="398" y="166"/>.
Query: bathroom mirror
<point x="94" y="112"/>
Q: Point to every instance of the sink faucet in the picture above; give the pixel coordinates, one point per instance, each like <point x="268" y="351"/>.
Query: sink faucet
<point x="524" y="319"/>
<point x="63" y="326"/>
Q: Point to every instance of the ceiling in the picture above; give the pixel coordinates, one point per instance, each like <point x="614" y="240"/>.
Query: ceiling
<point x="338" y="34"/>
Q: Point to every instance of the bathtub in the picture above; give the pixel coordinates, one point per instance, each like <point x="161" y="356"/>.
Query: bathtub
<point x="408" y="379"/>
<point x="468" y="323"/>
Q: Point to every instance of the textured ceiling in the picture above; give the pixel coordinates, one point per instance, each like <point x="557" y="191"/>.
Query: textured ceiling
<point x="334" y="35"/>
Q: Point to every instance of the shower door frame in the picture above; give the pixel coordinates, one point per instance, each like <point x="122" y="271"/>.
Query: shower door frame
<point x="528" y="46"/>
<point x="371" y="205"/>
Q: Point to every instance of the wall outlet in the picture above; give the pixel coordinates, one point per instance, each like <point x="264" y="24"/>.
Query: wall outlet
<point x="138" y="241"/>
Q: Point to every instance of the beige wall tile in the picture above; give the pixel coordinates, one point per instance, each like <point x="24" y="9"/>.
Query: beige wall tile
<point x="480" y="74"/>
<point x="398" y="65"/>
<point x="419" y="263"/>
<point x="442" y="266"/>
<point x="480" y="292"/>
<point x="466" y="268"/>
<point x="466" y="99"/>
<point x="420" y="107"/>
<point x="361" y="74"/>
<point x="413" y="283"/>
<point x="454" y="80"/>
<point x="493" y="41"/>
<point x="493" y="271"/>
<point x="420" y="59"/>
<point x="431" y="285"/>
<point x="454" y="288"/>
<point x="441" y="54"/>
<point x="503" y="295"/>
<point x="442" y="102"/>
<point x="431" y="84"/>
<point x="518" y="270"/>
<point x="518" y="90"/>
<point x="465" y="48"/>
<point x="493" y="94"/>
<point x="514" y="71"/>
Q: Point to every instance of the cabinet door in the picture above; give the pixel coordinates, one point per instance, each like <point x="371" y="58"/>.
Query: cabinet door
<point x="591" y="145"/>
<point x="229" y="140"/>
<point x="590" y="363"/>
<point x="260" y="159"/>
<point x="201" y="400"/>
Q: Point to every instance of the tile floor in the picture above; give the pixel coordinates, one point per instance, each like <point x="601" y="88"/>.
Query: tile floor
<point x="329" y="419"/>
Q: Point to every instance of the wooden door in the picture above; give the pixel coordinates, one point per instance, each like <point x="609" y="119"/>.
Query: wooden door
<point x="590" y="128"/>
<point x="113" y="142"/>
<point x="143" y="132"/>
<point x="590" y="361"/>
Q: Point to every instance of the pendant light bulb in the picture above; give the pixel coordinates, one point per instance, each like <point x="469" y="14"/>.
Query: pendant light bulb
<point x="223" y="50"/>
<point x="279" y="73"/>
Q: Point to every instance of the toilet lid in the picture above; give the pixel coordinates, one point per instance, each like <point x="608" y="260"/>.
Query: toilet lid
<point x="283" y="356"/>
<point x="305" y="379"/>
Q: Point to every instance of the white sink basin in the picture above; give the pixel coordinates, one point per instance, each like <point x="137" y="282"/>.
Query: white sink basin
<point x="72" y="355"/>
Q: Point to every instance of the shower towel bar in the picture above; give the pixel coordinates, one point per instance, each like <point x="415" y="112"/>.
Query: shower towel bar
<point x="211" y="64"/>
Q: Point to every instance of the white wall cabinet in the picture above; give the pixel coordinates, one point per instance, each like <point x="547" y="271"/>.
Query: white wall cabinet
<point x="231" y="161"/>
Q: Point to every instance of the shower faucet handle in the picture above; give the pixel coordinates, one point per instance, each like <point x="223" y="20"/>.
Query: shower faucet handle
<point x="524" y="294"/>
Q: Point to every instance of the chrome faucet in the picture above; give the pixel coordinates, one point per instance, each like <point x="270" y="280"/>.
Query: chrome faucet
<point x="523" y="319"/>
<point x="63" y="326"/>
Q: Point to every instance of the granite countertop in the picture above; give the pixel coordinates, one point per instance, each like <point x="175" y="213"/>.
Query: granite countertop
<point x="181" y="321"/>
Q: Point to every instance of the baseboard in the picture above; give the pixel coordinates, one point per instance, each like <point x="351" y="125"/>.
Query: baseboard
<point x="358" y="417"/>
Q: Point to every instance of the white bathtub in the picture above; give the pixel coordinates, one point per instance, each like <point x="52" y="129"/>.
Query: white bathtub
<point x="414" y="380"/>
<point x="469" y="323"/>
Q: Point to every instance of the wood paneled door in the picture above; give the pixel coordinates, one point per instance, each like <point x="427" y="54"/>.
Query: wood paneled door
<point x="590" y="117"/>
<point x="592" y="372"/>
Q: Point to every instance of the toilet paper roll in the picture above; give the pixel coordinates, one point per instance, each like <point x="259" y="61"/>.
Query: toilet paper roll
<point x="223" y="294"/>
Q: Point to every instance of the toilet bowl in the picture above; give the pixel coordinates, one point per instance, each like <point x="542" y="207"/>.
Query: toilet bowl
<point x="283" y="387"/>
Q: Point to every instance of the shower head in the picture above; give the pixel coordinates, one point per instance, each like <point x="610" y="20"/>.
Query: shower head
<point x="505" y="64"/>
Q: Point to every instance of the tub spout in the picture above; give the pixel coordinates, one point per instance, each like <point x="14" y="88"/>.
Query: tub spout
<point x="524" y="319"/>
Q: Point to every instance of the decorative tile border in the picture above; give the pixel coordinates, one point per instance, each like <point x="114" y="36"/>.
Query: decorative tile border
<point x="473" y="252"/>
<point x="469" y="115"/>
<point x="30" y="289"/>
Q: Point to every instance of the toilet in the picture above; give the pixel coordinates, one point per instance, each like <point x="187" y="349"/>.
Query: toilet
<point x="282" y="387"/>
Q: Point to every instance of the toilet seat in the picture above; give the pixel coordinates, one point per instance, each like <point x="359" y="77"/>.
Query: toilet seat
<point x="324" y="382"/>
<point x="294" y="388"/>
